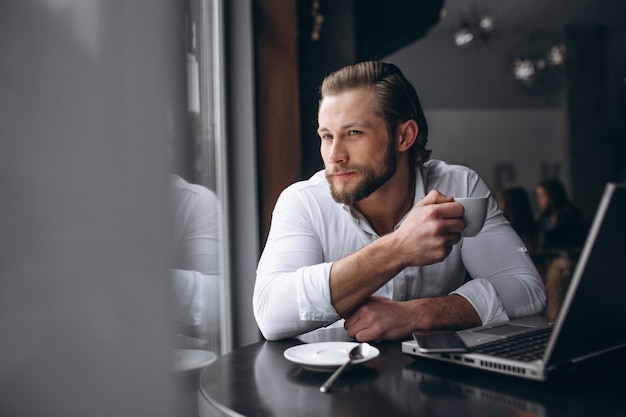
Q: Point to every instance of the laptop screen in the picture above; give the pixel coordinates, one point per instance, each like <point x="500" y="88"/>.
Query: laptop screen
<point x="593" y="314"/>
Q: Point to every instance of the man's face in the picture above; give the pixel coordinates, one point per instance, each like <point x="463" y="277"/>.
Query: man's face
<point x="358" y="154"/>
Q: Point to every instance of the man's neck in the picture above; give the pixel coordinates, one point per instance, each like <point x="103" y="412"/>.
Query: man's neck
<point x="390" y="203"/>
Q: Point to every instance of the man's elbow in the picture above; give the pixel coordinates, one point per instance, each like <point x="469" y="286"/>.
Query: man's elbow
<point x="275" y="331"/>
<point x="272" y="329"/>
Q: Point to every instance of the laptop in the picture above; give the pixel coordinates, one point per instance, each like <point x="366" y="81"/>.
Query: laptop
<point x="591" y="320"/>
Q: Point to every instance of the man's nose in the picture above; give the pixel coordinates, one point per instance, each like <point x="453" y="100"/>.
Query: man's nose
<point x="337" y="152"/>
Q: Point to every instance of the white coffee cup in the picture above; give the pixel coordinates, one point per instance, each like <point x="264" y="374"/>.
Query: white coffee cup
<point x="475" y="213"/>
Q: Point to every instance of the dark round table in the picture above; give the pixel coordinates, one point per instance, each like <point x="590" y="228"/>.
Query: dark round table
<point x="257" y="380"/>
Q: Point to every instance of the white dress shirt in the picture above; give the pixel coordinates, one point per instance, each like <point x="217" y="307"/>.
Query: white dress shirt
<point x="310" y="230"/>
<point x="196" y="269"/>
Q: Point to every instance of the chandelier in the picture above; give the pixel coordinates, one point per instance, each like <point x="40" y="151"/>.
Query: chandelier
<point x="474" y="28"/>
<point x="539" y="62"/>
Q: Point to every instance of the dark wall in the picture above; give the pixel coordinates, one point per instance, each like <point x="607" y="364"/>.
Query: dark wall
<point x="596" y="105"/>
<point x="334" y="48"/>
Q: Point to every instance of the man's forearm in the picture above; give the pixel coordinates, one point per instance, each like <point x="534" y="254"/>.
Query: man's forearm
<point x="357" y="276"/>
<point x="447" y="312"/>
<point x="382" y="319"/>
<point x="425" y="237"/>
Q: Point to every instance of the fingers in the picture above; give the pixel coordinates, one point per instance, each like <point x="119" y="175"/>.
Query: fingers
<point x="355" y="324"/>
<point x="434" y="197"/>
<point x="441" y="251"/>
<point x="430" y="230"/>
<point x="361" y="332"/>
<point x="452" y="228"/>
<point x="350" y="325"/>
<point x="441" y="207"/>
<point x="378" y="318"/>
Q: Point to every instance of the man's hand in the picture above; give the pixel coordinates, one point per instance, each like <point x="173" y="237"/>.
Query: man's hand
<point x="430" y="230"/>
<point x="425" y="237"/>
<point x="383" y="319"/>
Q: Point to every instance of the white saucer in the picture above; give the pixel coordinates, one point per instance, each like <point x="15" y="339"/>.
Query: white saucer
<point x="325" y="356"/>
<point x="192" y="359"/>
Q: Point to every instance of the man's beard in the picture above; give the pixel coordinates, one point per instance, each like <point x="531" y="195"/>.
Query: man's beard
<point x="371" y="180"/>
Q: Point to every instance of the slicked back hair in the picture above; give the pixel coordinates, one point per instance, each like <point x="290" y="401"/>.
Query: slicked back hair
<point x="395" y="96"/>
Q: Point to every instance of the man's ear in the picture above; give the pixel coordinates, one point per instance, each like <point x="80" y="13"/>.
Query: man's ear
<point x="407" y="134"/>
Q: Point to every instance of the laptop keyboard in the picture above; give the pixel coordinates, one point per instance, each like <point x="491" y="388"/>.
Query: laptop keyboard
<point x="526" y="347"/>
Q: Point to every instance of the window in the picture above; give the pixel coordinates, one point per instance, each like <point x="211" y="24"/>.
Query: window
<point x="199" y="191"/>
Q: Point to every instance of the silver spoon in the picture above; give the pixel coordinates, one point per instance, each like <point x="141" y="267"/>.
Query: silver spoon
<point x="358" y="352"/>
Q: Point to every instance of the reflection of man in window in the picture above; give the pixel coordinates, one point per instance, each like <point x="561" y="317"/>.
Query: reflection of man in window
<point x="196" y="267"/>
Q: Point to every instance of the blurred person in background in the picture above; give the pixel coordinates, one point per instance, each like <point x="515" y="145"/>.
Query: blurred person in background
<point x="562" y="233"/>
<point x="516" y="207"/>
<point x="561" y="225"/>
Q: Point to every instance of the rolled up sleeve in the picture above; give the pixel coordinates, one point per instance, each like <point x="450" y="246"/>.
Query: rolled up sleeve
<point x="292" y="292"/>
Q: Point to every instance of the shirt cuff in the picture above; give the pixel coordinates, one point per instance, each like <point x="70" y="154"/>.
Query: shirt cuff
<point x="482" y="295"/>
<point x="313" y="294"/>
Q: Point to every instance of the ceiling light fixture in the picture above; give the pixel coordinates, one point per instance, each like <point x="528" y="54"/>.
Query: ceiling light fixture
<point x="474" y="28"/>
<point x="539" y="63"/>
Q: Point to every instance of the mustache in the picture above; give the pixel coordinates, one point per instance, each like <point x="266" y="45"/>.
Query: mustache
<point x="343" y="170"/>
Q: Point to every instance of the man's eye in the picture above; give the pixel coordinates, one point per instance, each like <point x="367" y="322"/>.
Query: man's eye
<point x="326" y="137"/>
<point x="353" y="132"/>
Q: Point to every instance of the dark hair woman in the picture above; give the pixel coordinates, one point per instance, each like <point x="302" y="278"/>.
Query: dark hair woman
<point x="561" y="224"/>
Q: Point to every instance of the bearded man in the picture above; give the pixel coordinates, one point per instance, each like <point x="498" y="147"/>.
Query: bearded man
<point x="376" y="239"/>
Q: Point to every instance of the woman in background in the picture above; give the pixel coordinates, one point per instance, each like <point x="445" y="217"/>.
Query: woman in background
<point x="562" y="233"/>
<point x="561" y="224"/>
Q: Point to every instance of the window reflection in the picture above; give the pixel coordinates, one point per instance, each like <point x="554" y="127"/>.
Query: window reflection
<point x="197" y="196"/>
<point x="196" y="269"/>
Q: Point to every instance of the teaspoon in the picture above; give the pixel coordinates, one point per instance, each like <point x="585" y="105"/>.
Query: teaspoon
<point x="358" y="352"/>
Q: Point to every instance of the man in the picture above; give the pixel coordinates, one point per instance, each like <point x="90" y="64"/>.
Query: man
<point x="376" y="237"/>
